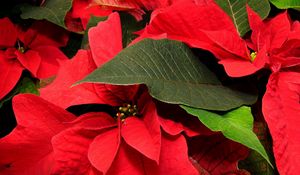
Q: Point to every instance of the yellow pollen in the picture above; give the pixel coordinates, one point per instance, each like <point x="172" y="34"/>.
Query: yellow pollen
<point x="253" y="56"/>
<point x="21" y="49"/>
<point x="126" y="110"/>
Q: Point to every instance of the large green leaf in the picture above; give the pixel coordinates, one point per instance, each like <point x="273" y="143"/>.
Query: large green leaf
<point x="235" y="125"/>
<point x="172" y="73"/>
<point x="51" y="10"/>
<point x="285" y="4"/>
<point x="236" y="9"/>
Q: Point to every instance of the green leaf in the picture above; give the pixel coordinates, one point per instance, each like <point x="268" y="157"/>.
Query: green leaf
<point x="173" y="75"/>
<point x="285" y="4"/>
<point x="94" y="20"/>
<point x="51" y="10"/>
<point x="27" y="85"/>
<point x="236" y="9"/>
<point x="235" y="125"/>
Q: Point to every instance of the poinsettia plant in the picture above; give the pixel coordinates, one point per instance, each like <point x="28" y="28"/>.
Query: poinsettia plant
<point x="96" y="87"/>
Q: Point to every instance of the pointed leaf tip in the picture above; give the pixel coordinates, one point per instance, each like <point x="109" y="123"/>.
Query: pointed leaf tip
<point x="235" y="125"/>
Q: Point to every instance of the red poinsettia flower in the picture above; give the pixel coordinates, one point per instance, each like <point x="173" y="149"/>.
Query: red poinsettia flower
<point x="49" y="140"/>
<point x="142" y="133"/>
<point x="281" y="109"/>
<point x="197" y="26"/>
<point x="138" y="126"/>
<point x="275" y="40"/>
<point x="82" y="10"/>
<point x="35" y="50"/>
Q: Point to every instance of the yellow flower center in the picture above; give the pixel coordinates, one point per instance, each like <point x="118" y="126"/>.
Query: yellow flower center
<point x="126" y="110"/>
<point x="253" y="56"/>
<point x="21" y="49"/>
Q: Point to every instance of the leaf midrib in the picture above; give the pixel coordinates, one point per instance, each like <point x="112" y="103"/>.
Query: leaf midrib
<point x="233" y="17"/>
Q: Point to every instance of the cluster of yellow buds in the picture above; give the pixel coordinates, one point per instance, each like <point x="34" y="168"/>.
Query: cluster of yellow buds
<point x="126" y="110"/>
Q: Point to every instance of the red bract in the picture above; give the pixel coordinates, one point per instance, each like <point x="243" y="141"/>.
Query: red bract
<point x="142" y="133"/>
<point x="281" y="109"/>
<point x="82" y="10"/>
<point x="27" y="149"/>
<point x="275" y="41"/>
<point x="49" y="140"/>
<point x="35" y="50"/>
<point x="105" y="43"/>
<point x="216" y="155"/>
<point x="198" y="25"/>
<point x="274" y="44"/>
<point x="137" y="7"/>
<point x="136" y="132"/>
<point x="141" y="4"/>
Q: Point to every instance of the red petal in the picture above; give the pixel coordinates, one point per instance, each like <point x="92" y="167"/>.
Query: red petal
<point x="197" y="26"/>
<point x="143" y="4"/>
<point x="70" y="149"/>
<point x="150" y="118"/>
<point x="270" y="33"/>
<point x="94" y="121"/>
<point x="121" y="5"/>
<point x="215" y="154"/>
<point x="10" y="73"/>
<point x="281" y="109"/>
<point x="34" y="112"/>
<point x="262" y="58"/>
<point x="73" y="24"/>
<point x="255" y="23"/>
<point x="8" y="33"/>
<point x="294" y="34"/>
<point x="129" y="161"/>
<point x="50" y="58"/>
<point x="71" y="145"/>
<point x="84" y="10"/>
<point x="103" y="149"/>
<point x="60" y="91"/>
<point x="137" y="135"/>
<point x="174" y="157"/>
<point x="189" y="21"/>
<point x="26" y="151"/>
<point x="31" y="60"/>
<point x="106" y="39"/>
<point x="37" y="36"/>
<point x="116" y="95"/>
<point x="230" y="42"/>
<point x="238" y="68"/>
<point x="279" y="28"/>
<point x="174" y="120"/>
